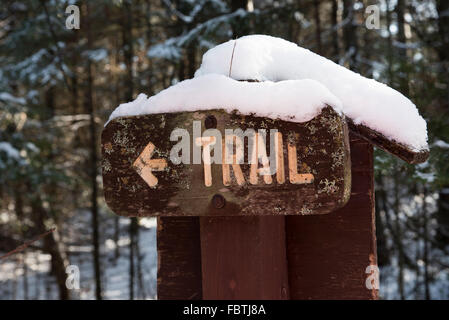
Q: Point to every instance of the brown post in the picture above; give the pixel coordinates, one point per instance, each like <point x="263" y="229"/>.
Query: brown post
<point x="179" y="258"/>
<point x="328" y="254"/>
<point x="244" y="258"/>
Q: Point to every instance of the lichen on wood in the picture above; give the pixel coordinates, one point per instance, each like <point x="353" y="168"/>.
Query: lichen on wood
<point x="322" y="150"/>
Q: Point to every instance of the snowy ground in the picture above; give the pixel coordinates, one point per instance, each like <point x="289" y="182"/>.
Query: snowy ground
<point x="14" y="277"/>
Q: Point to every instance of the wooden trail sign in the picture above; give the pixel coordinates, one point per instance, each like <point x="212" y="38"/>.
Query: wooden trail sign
<point x="231" y="227"/>
<point x="224" y="171"/>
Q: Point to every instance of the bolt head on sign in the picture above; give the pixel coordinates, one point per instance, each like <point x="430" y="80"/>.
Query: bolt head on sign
<point x="215" y="163"/>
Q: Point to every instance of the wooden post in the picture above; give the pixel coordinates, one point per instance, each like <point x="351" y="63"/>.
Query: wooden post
<point x="244" y="258"/>
<point x="328" y="254"/>
<point x="239" y="258"/>
<point x="179" y="258"/>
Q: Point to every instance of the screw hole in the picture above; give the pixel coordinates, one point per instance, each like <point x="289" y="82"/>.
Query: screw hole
<point x="210" y="122"/>
<point x="218" y="201"/>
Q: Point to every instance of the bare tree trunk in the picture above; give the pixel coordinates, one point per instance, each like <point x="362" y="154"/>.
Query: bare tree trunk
<point x="383" y="255"/>
<point x="139" y="266"/>
<point x="76" y="109"/>
<point x="48" y="290"/>
<point x="116" y="236"/>
<point x="334" y="21"/>
<point x="149" y="43"/>
<point x="350" y="34"/>
<point x="37" y="278"/>
<point x="316" y="4"/>
<point x="127" y="27"/>
<point x="132" y="245"/>
<point x="426" y="247"/>
<point x="25" y="277"/>
<point x="14" y="282"/>
<point x="89" y="106"/>
<point x="442" y="7"/>
<point x="394" y="227"/>
<point x="368" y="52"/>
<point x="117" y="92"/>
<point x="239" y="26"/>
<point x="401" y="26"/>
<point x="402" y="50"/>
<point x="128" y="50"/>
<point x="181" y="69"/>
<point x="191" y="58"/>
<point x="138" y="23"/>
<point x="443" y="49"/>
<point x="51" y="246"/>
<point x="442" y="214"/>
<point x="398" y="231"/>
<point x="417" y="287"/>
<point x="390" y="44"/>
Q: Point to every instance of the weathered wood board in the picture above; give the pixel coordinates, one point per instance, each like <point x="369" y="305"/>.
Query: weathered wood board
<point x="312" y="164"/>
<point x="379" y="140"/>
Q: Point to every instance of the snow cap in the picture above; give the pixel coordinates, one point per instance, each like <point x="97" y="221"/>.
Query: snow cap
<point x="293" y="100"/>
<point x="365" y="101"/>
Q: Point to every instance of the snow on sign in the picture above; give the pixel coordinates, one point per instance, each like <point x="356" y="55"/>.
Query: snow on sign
<point x="215" y="162"/>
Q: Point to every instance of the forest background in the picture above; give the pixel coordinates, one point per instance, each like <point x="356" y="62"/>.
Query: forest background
<point x="59" y="85"/>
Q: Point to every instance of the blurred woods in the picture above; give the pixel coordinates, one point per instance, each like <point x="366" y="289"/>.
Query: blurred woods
<point x="58" y="87"/>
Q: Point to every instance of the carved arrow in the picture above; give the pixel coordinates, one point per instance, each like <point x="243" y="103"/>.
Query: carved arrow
<point x="144" y="165"/>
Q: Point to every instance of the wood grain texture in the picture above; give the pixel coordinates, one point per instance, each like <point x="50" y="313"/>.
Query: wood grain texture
<point x="399" y="150"/>
<point x="244" y="258"/>
<point x="328" y="254"/>
<point x="322" y="150"/>
<point x="179" y="258"/>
